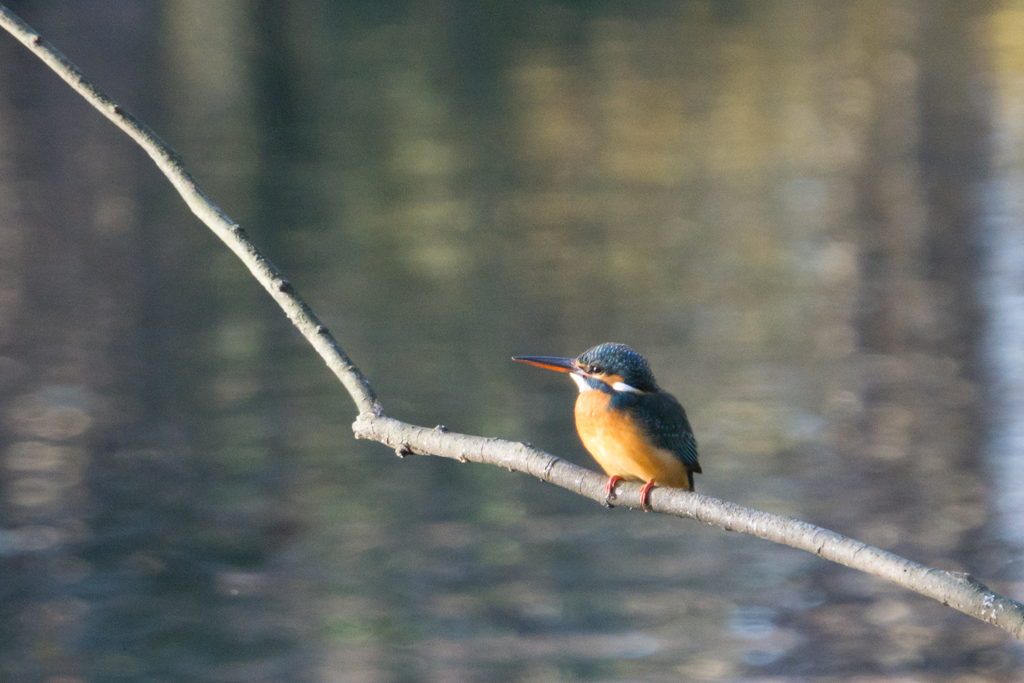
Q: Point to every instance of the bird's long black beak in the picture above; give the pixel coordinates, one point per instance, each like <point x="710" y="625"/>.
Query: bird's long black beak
<point x="549" y="362"/>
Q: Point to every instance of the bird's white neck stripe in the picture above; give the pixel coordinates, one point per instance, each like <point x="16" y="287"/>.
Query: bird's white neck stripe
<point x="581" y="382"/>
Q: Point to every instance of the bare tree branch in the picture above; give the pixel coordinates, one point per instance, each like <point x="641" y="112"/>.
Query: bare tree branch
<point x="957" y="590"/>
<point x="209" y="213"/>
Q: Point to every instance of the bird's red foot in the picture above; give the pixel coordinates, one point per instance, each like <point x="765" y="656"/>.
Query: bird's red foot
<point x="645" y="495"/>
<point x="609" y="489"/>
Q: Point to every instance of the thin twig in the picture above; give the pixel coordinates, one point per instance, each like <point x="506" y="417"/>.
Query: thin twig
<point x="209" y="213"/>
<point x="960" y="591"/>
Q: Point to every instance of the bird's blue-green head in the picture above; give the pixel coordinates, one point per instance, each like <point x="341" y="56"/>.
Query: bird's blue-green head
<point x="619" y="366"/>
<point x="615" y="365"/>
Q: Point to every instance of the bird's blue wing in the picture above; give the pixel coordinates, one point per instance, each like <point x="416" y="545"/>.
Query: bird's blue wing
<point x="667" y="423"/>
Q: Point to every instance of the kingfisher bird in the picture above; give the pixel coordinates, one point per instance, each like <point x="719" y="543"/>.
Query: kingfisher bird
<point x="635" y="430"/>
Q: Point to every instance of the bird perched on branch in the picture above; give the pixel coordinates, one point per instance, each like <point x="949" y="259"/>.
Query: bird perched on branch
<point x="635" y="430"/>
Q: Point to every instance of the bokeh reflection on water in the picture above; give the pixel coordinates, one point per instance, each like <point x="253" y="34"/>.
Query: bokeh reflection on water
<point x="804" y="215"/>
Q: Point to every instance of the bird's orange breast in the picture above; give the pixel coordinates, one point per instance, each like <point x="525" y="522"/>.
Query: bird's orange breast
<point x="621" y="446"/>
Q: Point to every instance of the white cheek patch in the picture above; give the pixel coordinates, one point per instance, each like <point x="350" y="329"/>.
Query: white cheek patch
<point x="581" y="382"/>
<point x="622" y="386"/>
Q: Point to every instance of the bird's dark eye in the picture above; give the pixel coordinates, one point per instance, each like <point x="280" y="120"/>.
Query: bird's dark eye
<point x="595" y="370"/>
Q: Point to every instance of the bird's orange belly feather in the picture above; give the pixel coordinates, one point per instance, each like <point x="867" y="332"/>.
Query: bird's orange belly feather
<point x="620" y="446"/>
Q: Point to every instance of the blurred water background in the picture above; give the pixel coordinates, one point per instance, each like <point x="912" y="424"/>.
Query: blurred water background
<point x="809" y="216"/>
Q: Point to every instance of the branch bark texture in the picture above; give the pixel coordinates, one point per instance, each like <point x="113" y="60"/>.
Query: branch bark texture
<point x="957" y="590"/>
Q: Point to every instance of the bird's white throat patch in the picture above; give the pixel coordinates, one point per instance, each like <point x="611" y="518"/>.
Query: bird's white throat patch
<point x="581" y="382"/>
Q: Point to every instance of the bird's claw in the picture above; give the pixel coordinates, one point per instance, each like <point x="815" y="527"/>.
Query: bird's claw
<point x="645" y="495"/>
<point x="609" y="489"/>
